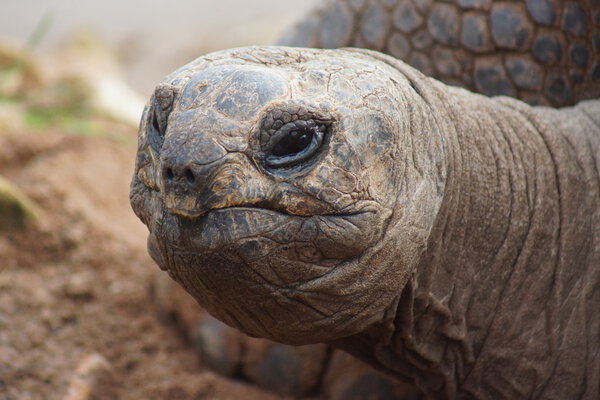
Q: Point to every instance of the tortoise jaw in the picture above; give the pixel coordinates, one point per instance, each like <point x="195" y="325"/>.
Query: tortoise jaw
<point x="196" y="213"/>
<point x="242" y="253"/>
<point x="184" y="206"/>
<point x="293" y="204"/>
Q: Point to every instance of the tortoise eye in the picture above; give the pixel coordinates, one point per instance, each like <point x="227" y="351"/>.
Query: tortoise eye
<point x="294" y="143"/>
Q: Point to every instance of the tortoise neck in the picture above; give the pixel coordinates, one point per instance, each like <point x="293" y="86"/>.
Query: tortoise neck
<point x="498" y="211"/>
<point x="495" y="252"/>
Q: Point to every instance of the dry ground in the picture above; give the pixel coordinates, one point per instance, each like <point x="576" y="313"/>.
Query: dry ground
<point x="74" y="288"/>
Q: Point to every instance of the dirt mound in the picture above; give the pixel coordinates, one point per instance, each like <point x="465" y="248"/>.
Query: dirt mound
<point x="75" y="305"/>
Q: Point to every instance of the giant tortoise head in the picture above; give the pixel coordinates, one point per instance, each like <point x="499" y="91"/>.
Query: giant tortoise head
<point x="290" y="191"/>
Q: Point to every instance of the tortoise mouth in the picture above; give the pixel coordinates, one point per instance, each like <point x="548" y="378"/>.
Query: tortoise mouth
<point x="272" y="239"/>
<point x="196" y="216"/>
<point x="266" y="207"/>
<point x="201" y="232"/>
<point x="248" y="264"/>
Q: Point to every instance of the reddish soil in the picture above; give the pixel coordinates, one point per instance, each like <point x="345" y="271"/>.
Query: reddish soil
<point x="75" y="286"/>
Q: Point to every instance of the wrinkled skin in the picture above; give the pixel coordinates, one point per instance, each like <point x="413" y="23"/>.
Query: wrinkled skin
<point x="444" y="237"/>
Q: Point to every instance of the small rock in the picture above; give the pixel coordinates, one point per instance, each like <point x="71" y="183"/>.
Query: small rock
<point x="349" y="379"/>
<point x="284" y="369"/>
<point x="92" y="372"/>
<point x="16" y="209"/>
<point x="218" y="346"/>
<point x="79" y="286"/>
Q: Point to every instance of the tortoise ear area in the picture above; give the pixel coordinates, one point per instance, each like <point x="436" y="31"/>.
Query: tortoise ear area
<point x="160" y="107"/>
<point x="155" y="130"/>
<point x="163" y="102"/>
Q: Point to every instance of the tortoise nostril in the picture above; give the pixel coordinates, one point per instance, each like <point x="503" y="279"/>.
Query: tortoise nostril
<point x="189" y="175"/>
<point x="178" y="176"/>
<point x="168" y="174"/>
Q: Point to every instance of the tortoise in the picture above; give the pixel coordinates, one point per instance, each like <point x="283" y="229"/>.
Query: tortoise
<point x="447" y="238"/>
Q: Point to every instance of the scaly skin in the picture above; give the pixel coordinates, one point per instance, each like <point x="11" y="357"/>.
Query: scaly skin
<point x="540" y="51"/>
<point x="444" y="237"/>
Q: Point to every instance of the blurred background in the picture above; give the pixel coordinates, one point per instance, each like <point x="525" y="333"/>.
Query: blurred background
<point x="149" y="39"/>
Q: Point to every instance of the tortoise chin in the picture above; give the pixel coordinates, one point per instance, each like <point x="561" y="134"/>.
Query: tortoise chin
<point x="267" y="273"/>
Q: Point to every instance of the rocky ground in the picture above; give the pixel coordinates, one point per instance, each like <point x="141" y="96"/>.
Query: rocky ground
<point x="77" y="319"/>
<point x="74" y="287"/>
